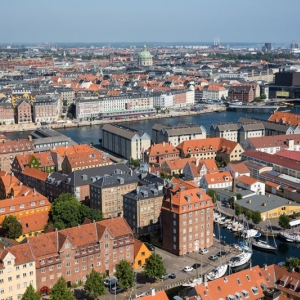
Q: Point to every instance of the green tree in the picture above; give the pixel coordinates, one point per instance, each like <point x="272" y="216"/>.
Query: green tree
<point x="292" y="263"/>
<point x="231" y="201"/>
<point x="125" y="274"/>
<point x="65" y="211"/>
<point x="213" y="194"/>
<point x="284" y="221"/>
<point x="134" y="162"/>
<point x="72" y="111"/>
<point x="31" y="294"/>
<point x="94" y="285"/>
<point x="12" y="227"/>
<point x="154" y="267"/>
<point x="239" y="196"/>
<point x="248" y="214"/>
<point x="263" y="96"/>
<point x="238" y="210"/>
<point x="256" y="217"/>
<point x="60" y="291"/>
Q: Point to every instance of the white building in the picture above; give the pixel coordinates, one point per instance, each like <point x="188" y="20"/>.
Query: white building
<point x="110" y="107"/>
<point x="251" y="184"/>
<point x="18" y="271"/>
<point x="215" y="92"/>
<point x="216" y="180"/>
<point x="145" y="58"/>
<point x="125" y="141"/>
<point x="163" y="100"/>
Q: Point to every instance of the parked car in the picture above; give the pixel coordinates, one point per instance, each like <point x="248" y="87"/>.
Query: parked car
<point x="166" y="276"/>
<point x="149" y="246"/>
<point x="203" y="251"/>
<point x="213" y="257"/>
<point x="196" y="266"/>
<point x="111" y="281"/>
<point x="188" y="269"/>
<point x="222" y="253"/>
<point x="116" y="290"/>
<point x="172" y="276"/>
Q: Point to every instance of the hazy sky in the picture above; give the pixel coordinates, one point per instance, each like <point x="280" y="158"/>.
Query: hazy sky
<point x="111" y="21"/>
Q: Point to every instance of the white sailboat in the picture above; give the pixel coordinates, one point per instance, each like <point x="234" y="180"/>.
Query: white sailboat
<point x="264" y="245"/>
<point x="221" y="269"/>
<point x="243" y="257"/>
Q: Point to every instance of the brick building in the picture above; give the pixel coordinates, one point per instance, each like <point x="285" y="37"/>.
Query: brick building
<point x="158" y="153"/>
<point x="74" y="252"/>
<point x="23" y="112"/>
<point x="9" y="149"/>
<point x="187" y="218"/>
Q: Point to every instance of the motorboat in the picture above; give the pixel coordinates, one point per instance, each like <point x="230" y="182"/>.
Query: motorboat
<point x="263" y="245"/>
<point x="250" y="233"/>
<point x="240" y="259"/>
<point x="194" y="282"/>
<point x="217" y="272"/>
<point x="292" y="237"/>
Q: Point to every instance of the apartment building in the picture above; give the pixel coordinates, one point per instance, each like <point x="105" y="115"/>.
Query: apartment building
<point x="216" y="180"/>
<point x="7" y="114"/>
<point x="23" y="114"/>
<point x="187" y="218"/>
<point x="215" y="92"/>
<point x="76" y="161"/>
<point x="216" y="148"/>
<point x="46" y="108"/>
<point x="78" y="182"/>
<point x="106" y="193"/>
<point x="163" y="100"/>
<point x="158" y="153"/>
<point x="125" y="141"/>
<point x="177" y="134"/>
<point x="273" y="144"/>
<point x="142" y="209"/>
<point x="251" y="184"/>
<point x="74" y="252"/>
<point x="58" y="153"/>
<point x="27" y="208"/>
<point x="9" y="149"/>
<point x="42" y="161"/>
<point x="195" y="170"/>
<point x="237" y="132"/>
<point x="114" y="107"/>
<point x="18" y="271"/>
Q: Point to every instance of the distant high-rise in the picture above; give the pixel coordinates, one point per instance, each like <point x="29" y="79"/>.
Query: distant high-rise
<point x="268" y="46"/>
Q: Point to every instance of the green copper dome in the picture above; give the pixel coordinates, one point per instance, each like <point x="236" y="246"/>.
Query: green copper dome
<point x="145" y="54"/>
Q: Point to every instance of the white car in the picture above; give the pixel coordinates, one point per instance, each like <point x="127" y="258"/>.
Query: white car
<point x="188" y="269"/>
<point x="203" y="251"/>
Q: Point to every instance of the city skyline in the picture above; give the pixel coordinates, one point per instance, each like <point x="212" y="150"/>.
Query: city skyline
<point x="176" y="21"/>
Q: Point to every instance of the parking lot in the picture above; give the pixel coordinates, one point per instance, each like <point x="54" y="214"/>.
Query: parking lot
<point x="175" y="264"/>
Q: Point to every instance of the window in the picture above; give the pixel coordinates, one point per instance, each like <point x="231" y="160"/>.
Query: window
<point x="68" y="255"/>
<point x="68" y="272"/>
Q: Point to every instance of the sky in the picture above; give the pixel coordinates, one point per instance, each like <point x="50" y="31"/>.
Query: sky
<point x="91" y="21"/>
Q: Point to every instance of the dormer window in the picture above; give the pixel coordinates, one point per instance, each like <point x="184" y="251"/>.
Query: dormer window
<point x="204" y="149"/>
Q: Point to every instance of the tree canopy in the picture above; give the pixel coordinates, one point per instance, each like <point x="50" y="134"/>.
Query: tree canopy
<point x="66" y="211"/>
<point x="292" y="263"/>
<point x="12" y="227"/>
<point x="154" y="267"/>
<point x="284" y="221"/>
<point x="94" y="285"/>
<point x="256" y="217"/>
<point x="31" y="294"/>
<point x="125" y="274"/>
<point x="60" y="291"/>
<point x="213" y="194"/>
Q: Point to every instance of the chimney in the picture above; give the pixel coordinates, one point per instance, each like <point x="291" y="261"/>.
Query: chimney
<point x="197" y="162"/>
<point x="152" y="291"/>
<point x="205" y="280"/>
<point x="30" y="138"/>
<point x="265" y="267"/>
<point x="233" y="184"/>
<point x="163" y="143"/>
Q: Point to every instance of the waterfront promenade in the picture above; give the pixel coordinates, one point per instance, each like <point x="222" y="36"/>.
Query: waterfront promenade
<point x="76" y="123"/>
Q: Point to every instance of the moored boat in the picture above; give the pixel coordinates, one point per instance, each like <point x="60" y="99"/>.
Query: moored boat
<point x="240" y="259"/>
<point x="217" y="272"/>
<point x="263" y="245"/>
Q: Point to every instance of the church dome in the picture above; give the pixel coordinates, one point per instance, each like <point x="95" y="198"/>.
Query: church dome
<point x="145" y="54"/>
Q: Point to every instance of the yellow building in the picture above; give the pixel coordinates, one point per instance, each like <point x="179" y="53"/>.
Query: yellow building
<point x="270" y="206"/>
<point x="141" y="254"/>
<point x="17" y="269"/>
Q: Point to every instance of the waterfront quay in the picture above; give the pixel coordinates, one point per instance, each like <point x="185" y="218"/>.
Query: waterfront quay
<point x="173" y="113"/>
<point x="175" y="264"/>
